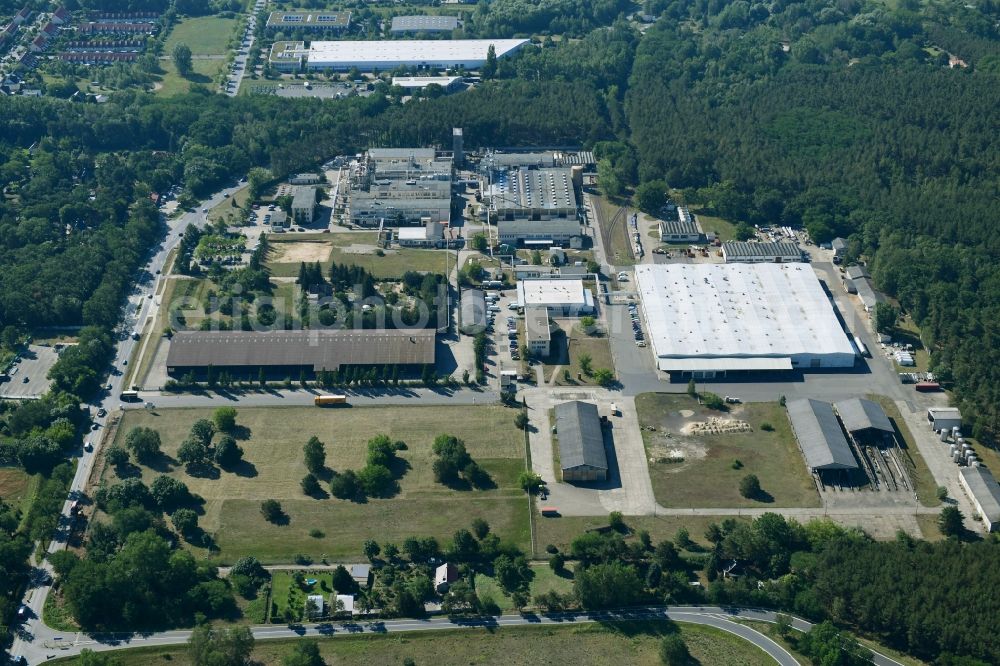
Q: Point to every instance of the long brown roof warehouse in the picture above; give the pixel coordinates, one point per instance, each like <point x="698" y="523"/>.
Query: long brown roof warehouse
<point x="293" y="351"/>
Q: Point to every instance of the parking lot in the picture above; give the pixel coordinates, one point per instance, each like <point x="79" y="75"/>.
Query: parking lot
<point x="503" y="323"/>
<point x="29" y="376"/>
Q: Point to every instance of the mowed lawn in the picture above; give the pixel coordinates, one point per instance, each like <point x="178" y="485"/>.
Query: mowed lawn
<point x="544" y="580"/>
<point x="394" y="262"/>
<point x="16" y="486"/>
<point x="205" y="35"/>
<point x="273" y="451"/>
<point x="204" y="72"/>
<point x="707" y="476"/>
<point x="560" y="531"/>
<point x="583" y="645"/>
<point x="567" y="349"/>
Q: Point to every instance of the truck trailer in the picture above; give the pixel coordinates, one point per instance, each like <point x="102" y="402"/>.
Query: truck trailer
<point x="329" y="400"/>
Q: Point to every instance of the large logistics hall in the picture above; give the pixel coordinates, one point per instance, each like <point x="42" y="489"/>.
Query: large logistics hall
<point x="389" y="54"/>
<point x="707" y="320"/>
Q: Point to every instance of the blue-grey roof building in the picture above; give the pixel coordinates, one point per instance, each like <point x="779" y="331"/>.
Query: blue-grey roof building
<point x="820" y="436"/>
<point x="581" y="442"/>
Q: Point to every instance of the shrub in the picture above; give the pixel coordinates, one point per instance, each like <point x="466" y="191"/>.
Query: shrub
<point x="271" y="510"/>
<point x="616" y="521"/>
<point x="766" y="427"/>
<point x="750" y="486"/>
<point x="225" y="418"/>
<point x="529" y="482"/>
<point x="713" y="401"/>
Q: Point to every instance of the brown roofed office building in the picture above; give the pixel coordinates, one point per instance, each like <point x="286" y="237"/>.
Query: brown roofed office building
<point x="283" y="354"/>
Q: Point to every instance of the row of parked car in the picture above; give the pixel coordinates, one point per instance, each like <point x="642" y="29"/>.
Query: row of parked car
<point x="640" y="338"/>
<point x="515" y="353"/>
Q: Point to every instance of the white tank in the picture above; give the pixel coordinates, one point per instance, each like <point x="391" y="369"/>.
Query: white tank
<point x="957" y="457"/>
<point x="975" y="463"/>
<point x="944" y="435"/>
<point x="955" y="430"/>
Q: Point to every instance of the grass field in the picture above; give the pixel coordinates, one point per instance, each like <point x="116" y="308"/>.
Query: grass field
<point x="568" y="347"/>
<point x="205" y="35"/>
<point x="724" y="229"/>
<point x="17" y="486"/>
<point x="397" y="261"/>
<point x="204" y="72"/>
<point x="592" y="644"/>
<point x="704" y="475"/>
<point x="545" y="580"/>
<point x="561" y="531"/>
<point x="394" y="263"/>
<point x="225" y="208"/>
<point x="273" y="451"/>
<point x="916" y="468"/>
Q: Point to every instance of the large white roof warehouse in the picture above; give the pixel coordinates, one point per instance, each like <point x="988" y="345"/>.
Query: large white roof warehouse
<point x="388" y="54"/>
<point x="709" y="319"/>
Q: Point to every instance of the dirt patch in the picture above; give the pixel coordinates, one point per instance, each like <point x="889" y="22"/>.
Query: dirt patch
<point x="715" y="426"/>
<point x="357" y="248"/>
<point x="668" y="449"/>
<point x="687" y="413"/>
<point x="295" y="252"/>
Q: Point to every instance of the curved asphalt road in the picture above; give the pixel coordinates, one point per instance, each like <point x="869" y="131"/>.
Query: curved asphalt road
<point x="47" y="643"/>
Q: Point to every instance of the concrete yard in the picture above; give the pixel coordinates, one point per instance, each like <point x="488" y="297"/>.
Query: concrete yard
<point x="29" y="377"/>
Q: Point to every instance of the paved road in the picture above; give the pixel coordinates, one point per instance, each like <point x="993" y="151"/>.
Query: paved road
<point x="235" y="76"/>
<point x="50" y="643"/>
<point x="141" y="304"/>
<point x="303" y="397"/>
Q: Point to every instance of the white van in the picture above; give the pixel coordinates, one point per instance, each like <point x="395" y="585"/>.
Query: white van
<point x="513" y="305"/>
<point x="493" y="308"/>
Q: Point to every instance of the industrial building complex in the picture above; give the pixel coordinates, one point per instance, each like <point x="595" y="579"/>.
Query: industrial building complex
<point x="983" y="490"/>
<point x="707" y="320"/>
<point x="286" y="353"/>
<point x="581" y="442"/>
<point x="314" y="21"/>
<point x="752" y="253"/>
<point x="820" y="436"/>
<point x="395" y="187"/>
<point x="561" y="297"/>
<point x="429" y="24"/>
<point x="386" y="55"/>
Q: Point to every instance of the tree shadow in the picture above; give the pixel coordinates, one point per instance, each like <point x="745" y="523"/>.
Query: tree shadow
<point x="128" y="470"/>
<point x="763" y="497"/>
<point x="161" y="463"/>
<point x="202" y="471"/>
<point x="243" y="468"/>
<point x="240" y="432"/>
<point x="201" y="539"/>
<point x="282" y="519"/>
<point x="319" y="494"/>
<point x="399" y="467"/>
<point x="565" y="573"/>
